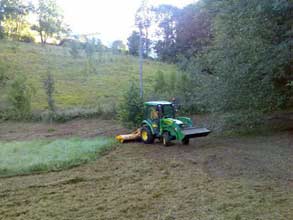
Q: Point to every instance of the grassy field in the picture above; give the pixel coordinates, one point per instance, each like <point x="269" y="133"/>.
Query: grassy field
<point x="23" y="157"/>
<point x="79" y="83"/>
<point x="214" y="178"/>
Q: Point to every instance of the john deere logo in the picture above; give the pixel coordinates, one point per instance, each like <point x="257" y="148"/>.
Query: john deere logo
<point x="168" y="122"/>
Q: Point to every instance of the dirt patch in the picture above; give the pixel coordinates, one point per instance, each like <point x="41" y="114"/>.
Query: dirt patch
<point x="78" y="128"/>
<point x="259" y="157"/>
<point x="144" y="182"/>
<point x="212" y="178"/>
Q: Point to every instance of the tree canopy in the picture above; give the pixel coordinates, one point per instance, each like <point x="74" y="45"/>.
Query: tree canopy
<point x="50" y="20"/>
<point x="236" y="52"/>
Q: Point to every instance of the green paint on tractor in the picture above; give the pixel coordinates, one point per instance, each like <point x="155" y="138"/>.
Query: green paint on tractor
<point x="160" y="122"/>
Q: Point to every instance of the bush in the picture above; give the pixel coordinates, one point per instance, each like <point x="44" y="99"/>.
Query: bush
<point x="130" y="112"/>
<point x="74" y="48"/>
<point x="49" y="86"/>
<point x="160" y="83"/>
<point x="27" y="39"/>
<point x="2" y="34"/>
<point x="89" y="48"/>
<point x="3" y="73"/>
<point x="19" y="96"/>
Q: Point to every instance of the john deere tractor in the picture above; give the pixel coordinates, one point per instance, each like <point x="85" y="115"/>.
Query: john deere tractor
<point x="160" y="122"/>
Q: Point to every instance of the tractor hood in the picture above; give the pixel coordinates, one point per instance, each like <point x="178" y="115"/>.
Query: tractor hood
<point x="178" y="122"/>
<point x="170" y="121"/>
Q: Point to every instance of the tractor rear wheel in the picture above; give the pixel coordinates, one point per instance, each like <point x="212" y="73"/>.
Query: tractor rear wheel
<point x="147" y="136"/>
<point x="166" y="139"/>
<point x="185" y="141"/>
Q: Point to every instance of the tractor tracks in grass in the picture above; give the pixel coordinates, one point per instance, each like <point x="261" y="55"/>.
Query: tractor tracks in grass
<point x="211" y="178"/>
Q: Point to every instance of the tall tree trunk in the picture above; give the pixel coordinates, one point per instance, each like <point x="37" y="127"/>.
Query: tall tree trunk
<point x="42" y="37"/>
<point x="146" y="42"/>
<point x="140" y="61"/>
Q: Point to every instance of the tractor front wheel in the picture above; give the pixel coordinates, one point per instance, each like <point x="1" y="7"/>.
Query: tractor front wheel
<point x="166" y="139"/>
<point x="147" y="136"/>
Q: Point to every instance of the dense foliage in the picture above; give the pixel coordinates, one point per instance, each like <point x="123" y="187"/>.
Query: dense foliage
<point x="233" y="55"/>
<point x="19" y="97"/>
<point x="131" y="109"/>
<point x="15" y="20"/>
<point x="236" y="53"/>
<point x="50" y="20"/>
<point x="13" y="14"/>
<point x="49" y="86"/>
<point x="251" y="64"/>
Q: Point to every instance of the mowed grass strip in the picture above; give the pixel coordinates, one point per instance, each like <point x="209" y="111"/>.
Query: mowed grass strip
<point x="25" y="157"/>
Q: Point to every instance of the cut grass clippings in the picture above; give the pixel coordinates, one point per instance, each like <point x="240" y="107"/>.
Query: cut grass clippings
<point x="25" y="157"/>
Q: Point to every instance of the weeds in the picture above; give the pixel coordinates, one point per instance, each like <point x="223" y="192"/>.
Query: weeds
<point x="75" y="87"/>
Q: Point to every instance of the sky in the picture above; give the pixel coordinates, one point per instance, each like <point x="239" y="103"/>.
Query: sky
<point x="112" y="19"/>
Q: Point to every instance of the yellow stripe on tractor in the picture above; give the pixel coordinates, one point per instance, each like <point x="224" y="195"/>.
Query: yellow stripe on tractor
<point x="129" y="137"/>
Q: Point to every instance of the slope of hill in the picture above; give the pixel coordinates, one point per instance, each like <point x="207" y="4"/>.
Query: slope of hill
<point x="79" y="82"/>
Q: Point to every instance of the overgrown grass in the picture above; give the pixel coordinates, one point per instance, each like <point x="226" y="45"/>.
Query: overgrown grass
<point x="43" y="155"/>
<point x="79" y="83"/>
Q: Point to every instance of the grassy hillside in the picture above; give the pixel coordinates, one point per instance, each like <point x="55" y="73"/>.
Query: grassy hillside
<point x="79" y="83"/>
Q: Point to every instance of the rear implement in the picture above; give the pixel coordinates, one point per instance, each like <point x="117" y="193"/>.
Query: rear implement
<point x="129" y="137"/>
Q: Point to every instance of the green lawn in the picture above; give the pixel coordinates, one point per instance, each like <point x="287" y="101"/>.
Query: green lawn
<point x="78" y="83"/>
<point x="43" y="155"/>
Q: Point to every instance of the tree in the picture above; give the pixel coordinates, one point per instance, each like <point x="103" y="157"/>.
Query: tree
<point x="160" y="86"/>
<point x="131" y="108"/>
<point x="118" y="46"/>
<point x="254" y="59"/>
<point x="143" y="21"/>
<point x="50" y="20"/>
<point x="15" y="12"/>
<point x="166" y="18"/>
<point x="193" y="30"/>
<point x="18" y="28"/>
<point x="49" y="86"/>
<point x="19" y="96"/>
<point x="133" y="43"/>
<point x="90" y="47"/>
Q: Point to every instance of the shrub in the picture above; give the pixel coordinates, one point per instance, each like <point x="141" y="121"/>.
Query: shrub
<point x="160" y="83"/>
<point x="74" y="49"/>
<point x="130" y="111"/>
<point x="243" y="121"/>
<point x="27" y="39"/>
<point x="19" y="96"/>
<point x="49" y="89"/>
<point x="3" y="73"/>
<point x="89" y="48"/>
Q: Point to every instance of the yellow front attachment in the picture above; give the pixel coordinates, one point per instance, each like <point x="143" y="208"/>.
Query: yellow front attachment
<point x="129" y="137"/>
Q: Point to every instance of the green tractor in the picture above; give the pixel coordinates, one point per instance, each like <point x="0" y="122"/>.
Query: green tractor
<point x="160" y="122"/>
